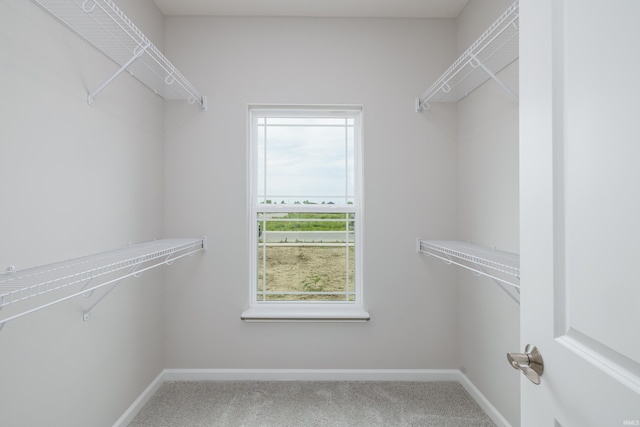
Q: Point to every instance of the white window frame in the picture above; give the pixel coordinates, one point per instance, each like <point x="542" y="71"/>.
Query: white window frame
<point x="302" y="311"/>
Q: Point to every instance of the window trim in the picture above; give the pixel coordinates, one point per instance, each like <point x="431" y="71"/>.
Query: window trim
<point x="301" y="311"/>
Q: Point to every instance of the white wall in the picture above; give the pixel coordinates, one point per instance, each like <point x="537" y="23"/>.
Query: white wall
<point x="409" y="179"/>
<point x="75" y="180"/>
<point x="488" y="215"/>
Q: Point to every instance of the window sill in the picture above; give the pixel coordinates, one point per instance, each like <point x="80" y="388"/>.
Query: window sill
<point x="305" y="314"/>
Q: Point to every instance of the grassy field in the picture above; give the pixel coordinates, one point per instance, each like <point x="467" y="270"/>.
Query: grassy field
<point x="306" y="269"/>
<point x="295" y="221"/>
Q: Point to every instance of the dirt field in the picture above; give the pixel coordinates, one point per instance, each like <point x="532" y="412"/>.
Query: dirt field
<point x="306" y="269"/>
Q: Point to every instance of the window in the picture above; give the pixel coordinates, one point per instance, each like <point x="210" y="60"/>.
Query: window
<point x="305" y="213"/>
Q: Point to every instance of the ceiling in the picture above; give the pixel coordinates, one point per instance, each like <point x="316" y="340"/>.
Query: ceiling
<point x="316" y="8"/>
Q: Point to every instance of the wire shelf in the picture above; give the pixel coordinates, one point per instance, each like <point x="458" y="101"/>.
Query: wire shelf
<point x="503" y="267"/>
<point x="114" y="266"/>
<point x="496" y="48"/>
<point x="106" y="27"/>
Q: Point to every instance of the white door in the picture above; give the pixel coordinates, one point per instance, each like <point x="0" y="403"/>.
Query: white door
<point x="580" y="210"/>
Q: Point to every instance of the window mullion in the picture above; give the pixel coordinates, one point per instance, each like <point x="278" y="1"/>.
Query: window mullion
<point x="346" y="193"/>
<point x="346" y="284"/>
<point x="346" y="162"/>
<point x="264" y="262"/>
<point x="264" y="159"/>
<point x="301" y="208"/>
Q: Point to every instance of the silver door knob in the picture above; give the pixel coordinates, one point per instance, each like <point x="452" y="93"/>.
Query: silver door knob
<point x="530" y="363"/>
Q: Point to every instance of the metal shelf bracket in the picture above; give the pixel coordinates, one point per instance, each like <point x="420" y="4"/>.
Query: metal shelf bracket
<point x="475" y="62"/>
<point x="137" y="53"/>
<point x="132" y="271"/>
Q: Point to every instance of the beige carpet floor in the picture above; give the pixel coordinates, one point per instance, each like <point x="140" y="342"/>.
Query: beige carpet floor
<point x="311" y="403"/>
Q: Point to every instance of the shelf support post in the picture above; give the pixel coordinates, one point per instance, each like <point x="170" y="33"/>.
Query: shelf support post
<point x="502" y="286"/>
<point x="137" y="53"/>
<point x="476" y="63"/>
<point x="85" y="314"/>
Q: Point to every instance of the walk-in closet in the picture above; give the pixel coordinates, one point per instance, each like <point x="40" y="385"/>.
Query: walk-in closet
<point x="140" y="211"/>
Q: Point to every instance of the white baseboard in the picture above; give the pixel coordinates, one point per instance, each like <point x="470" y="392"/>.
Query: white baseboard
<point x="482" y="401"/>
<point x="137" y="404"/>
<point x="313" y="375"/>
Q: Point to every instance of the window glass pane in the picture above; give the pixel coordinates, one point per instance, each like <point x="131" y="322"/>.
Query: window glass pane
<point x="305" y="159"/>
<point x="306" y="256"/>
